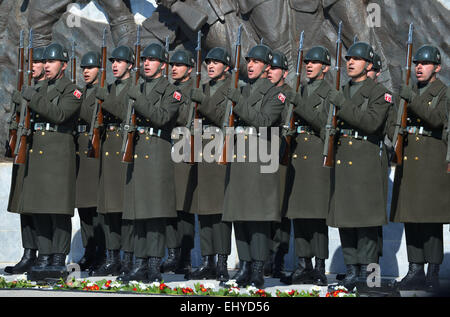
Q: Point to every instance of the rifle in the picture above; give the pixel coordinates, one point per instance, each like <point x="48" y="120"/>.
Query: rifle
<point x="229" y="115"/>
<point x="97" y="115"/>
<point x="193" y="113"/>
<point x="130" y="122"/>
<point x="20" y="150"/>
<point x="402" y="114"/>
<point x="73" y="63"/>
<point x="289" y="124"/>
<point x="448" y="140"/>
<point x="11" y="144"/>
<point x="328" y="150"/>
<point x="166" y="73"/>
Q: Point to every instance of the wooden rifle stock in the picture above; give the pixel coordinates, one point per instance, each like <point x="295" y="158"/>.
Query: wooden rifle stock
<point x="230" y="121"/>
<point x="288" y="138"/>
<point x="97" y="122"/>
<point x="128" y="156"/>
<point x="11" y="144"/>
<point x="328" y="160"/>
<point x="398" y="135"/>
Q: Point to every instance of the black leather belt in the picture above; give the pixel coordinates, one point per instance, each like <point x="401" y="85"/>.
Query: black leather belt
<point x="421" y="131"/>
<point x="354" y="134"/>
<point x="45" y="126"/>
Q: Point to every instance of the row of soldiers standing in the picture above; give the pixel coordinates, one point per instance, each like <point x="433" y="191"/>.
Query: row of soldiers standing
<point x="147" y="206"/>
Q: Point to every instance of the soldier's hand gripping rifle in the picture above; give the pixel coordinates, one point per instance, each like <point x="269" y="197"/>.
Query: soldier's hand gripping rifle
<point x="11" y="143"/>
<point x="402" y="115"/>
<point x="329" y="143"/>
<point x="193" y="110"/>
<point x="229" y="114"/>
<point x="289" y="124"/>
<point x="129" y="127"/>
<point x="97" y="114"/>
<point x="24" y="130"/>
<point x="73" y="64"/>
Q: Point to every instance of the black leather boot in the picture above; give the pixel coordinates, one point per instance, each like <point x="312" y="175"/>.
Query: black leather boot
<point x="432" y="278"/>
<point x="222" y="268"/>
<point x="302" y="275"/>
<point x="172" y="260"/>
<point x="184" y="265"/>
<point x="242" y="276"/>
<point x="138" y="272"/>
<point x="257" y="276"/>
<point x="414" y="279"/>
<point x="154" y="270"/>
<point x="111" y="266"/>
<point x="58" y="259"/>
<point x="126" y="265"/>
<point x="207" y="270"/>
<point x="38" y="271"/>
<point x="268" y="265"/>
<point x="319" y="277"/>
<point x="99" y="260"/>
<point x="88" y="259"/>
<point x="351" y="277"/>
<point x="24" y="265"/>
<point x="278" y="264"/>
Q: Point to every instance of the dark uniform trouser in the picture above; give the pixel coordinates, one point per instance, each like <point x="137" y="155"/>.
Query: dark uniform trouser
<point x="252" y="240"/>
<point x="149" y="237"/>
<point x="180" y="231"/>
<point x="311" y="238"/>
<point x="54" y="233"/>
<point x="118" y="232"/>
<point x="28" y="230"/>
<point x="424" y="242"/>
<point x="360" y="245"/>
<point x="215" y="235"/>
<point x="281" y="234"/>
<point x="91" y="225"/>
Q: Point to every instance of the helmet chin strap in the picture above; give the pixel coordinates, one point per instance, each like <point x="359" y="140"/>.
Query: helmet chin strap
<point x="57" y="74"/>
<point x="221" y="73"/>
<point x="281" y="77"/>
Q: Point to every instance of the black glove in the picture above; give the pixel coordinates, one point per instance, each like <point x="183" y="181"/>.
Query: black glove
<point x="337" y="98"/>
<point x="101" y="93"/>
<point x="16" y="97"/>
<point x="234" y="94"/>
<point x="134" y="92"/>
<point x="28" y="93"/>
<point x="197" y="95"/>
<point x="407" y="93"/>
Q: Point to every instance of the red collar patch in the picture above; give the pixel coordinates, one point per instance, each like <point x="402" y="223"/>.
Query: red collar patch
<point x="77" y="94"/>
<point x="177" y="95"/>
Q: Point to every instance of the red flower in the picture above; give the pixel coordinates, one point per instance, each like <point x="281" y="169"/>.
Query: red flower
<point x="135" y="289"/>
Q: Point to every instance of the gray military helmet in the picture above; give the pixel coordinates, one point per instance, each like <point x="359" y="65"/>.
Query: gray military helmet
<point x="377" y="65"/>
<point x="38" y="54"/>
<point x="219" y="54"/>
<point x="318" y="54"/>
<point x="91" y="59"/>
<point x="156" y="50"/>
<point x="55" y="51"/>
<point x="182" y="57"/>
<point x="124" y="53"/>
<point x="260" y="52"/>
<point x="362" y="50"/>
<point x="427" y="53"/>
<point x="279" y="60"/>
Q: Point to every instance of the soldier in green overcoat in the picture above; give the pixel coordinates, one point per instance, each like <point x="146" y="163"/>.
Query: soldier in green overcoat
<point x="252" y="193"/>
<point x="215" y="235"/>
<point x="308" y="182"/>
<point x="28" y="231"/>
<point x="150" y="184"/>
<point x="91" y="223"/>
<point x="118" y="232"/>
<point x="358" y="187"/>
<point x="48" y="191"/>
<point x="180" y="232"/>
<point x="421" y="197"/>
<point x="281" y="231"/>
